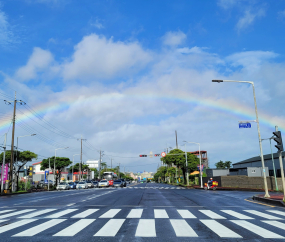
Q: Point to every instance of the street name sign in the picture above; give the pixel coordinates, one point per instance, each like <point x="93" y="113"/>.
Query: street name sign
<point x="244" y="125"/>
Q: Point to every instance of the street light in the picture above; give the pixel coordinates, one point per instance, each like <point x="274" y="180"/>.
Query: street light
<point x="55" y="159"/>
<point x="187" y="175"/>
<point x="200" y="161"/>
<point x="258" y="130"/>
<point x="73" y="164"/>
<point x="17" y="154"/>
<point x="276" y="185"/>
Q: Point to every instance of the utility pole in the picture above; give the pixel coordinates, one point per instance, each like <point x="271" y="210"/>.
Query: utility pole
<point x="111" y="163"/>
<point x="119" y="170"/>
<point x="80" y="165"/>
<point x="281" y="168"/>
<point x="176" y="139"/>
<point x="100" y="166"/>
<point x="3" y="165"/>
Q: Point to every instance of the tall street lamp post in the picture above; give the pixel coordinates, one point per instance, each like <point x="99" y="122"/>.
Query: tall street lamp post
<point x="55" y="159"/>
<point x="187" y="174"/>
<point x="258" y="130"/>
<point x="73" y="164"/>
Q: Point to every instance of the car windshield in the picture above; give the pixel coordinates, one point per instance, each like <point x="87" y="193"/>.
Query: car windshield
<point x="88" y="181"/>
<point x="117" y="181"/>
<point x="71" y="183"/>
<point x="103" y="181"/>
<point x="81" y="183"/>
<point x="95" y="182"/>
<point x="62" y="183"/>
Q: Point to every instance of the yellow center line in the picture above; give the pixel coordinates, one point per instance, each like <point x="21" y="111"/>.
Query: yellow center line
<point x="260" y="203"/>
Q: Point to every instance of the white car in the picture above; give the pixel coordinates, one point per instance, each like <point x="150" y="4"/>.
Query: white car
<point x="103" y="183"/>
<point x="63" y="186"/>
<point x="82" y="185"/>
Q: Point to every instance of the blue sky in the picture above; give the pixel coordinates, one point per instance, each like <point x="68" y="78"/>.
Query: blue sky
<point x="123" y="73"/>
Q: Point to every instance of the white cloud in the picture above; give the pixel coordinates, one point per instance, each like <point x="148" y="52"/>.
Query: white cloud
<point x="281" y="14"/>
<point x="6" y="33"/>
<point x="96" y="24"/>
<point x="248" y="18"/>
<point x="98" y="57"/>
<point x="39" y="61"/>
<point x="174" y="38"/>
<point x="227" y="4"/>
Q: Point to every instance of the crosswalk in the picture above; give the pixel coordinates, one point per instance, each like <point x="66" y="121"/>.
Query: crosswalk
<point x="106" y="222"/>
<point x="154" y="187"/>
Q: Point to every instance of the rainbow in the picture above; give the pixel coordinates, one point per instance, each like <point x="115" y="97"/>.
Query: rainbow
<point x="229" y="107"/>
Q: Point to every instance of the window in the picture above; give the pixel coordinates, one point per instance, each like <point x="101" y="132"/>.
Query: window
<point x="252" y="171"/>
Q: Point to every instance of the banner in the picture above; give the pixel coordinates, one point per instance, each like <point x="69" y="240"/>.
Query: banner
<point x="5" y="173"/>
<point x="46" y="176"/>
<point x="198" y="166"/>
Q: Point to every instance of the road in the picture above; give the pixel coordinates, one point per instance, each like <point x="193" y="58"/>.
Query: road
<point x="140" y="212"/>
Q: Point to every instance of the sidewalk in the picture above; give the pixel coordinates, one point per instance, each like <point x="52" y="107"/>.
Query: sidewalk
<point x="275" y="199"/>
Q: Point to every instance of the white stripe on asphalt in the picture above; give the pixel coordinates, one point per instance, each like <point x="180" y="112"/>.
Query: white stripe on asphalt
<point x="39" y="228"/>
<point x="75" y="228"/>
<point x="111" y="228"/>
<point x="3" y="220"/>
<point x="16" y="225"/>
<point x="35" y="214"/>
<point x="236" y="214"/>
<point x="85" y="213"/>
<point x="111" y="213"/>
<point x="257" y="230"/>
<point x="160" y="213"/>
<point x="182" y="228"/>
<point x="212" y="214"/>
<point x="185" y="214"/>
<point x="277" y="212"/>
<point x="16" y="213"/>
<point x="135" y="213"/>
<point x="59" y="214"/>
<point x="260" y="214"/>
<point x="146" y="228"/>
<point x="6" y="211"/>
<point x="220" y="229"/>
<point x="275" y="223"/>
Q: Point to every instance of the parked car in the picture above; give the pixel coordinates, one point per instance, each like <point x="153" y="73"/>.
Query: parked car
<point x="72" y="185"/>
<point x="118" y="183"/>
<point x="103" y="183"/>
<point x="62" y="186"/>
<point x="128" y="181"/>
<point x="82" y="185"/>
<point x="124" y="182"/>
<point x="90" y="184"/>
<point x="95" y="183"/>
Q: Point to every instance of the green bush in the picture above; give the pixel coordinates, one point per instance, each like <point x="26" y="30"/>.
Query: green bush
<point x="22" y="185"/>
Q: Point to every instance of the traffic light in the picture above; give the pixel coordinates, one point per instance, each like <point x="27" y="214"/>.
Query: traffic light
<point x="143" y="155"/>
<point x="278" y="139"/>
<point x="156" y="154"/>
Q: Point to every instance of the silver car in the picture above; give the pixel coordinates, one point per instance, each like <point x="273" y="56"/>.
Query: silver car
<point x="62" y="186"/>
<point x="82" y="185"/>
<point x="103" y="183"/>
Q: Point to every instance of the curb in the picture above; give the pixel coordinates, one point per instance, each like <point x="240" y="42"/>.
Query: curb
<point x="11" y="194"/>
<point x="269" y="201"/>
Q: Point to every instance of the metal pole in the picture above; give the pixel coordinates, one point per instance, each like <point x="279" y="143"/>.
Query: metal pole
<point x="187" y="176"/>
<point x="3" y="165"/>
<point x="201" y="171"/>
<point x="72" y="167"/>
<point x="281" y="169"/>
<point x="276" y="184"/>
<point x="48" y="171"/>
<point x="100" y="166"/>
<point x="26" y="178"/>
<point x="54" y="167"/>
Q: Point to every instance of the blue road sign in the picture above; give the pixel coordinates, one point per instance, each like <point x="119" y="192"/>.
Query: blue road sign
<point x="244" y="125"/>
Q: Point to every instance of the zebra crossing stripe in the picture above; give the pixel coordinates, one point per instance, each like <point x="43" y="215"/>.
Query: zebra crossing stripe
<point x="111" y="228"/>
<point x="111" y="213"/>
<point x="3" y="220"/>
<point x="236" y="214"/>
<point x="135" y="213"/>
<point x="39" y="228"/>
<point x="160" y="213"/>
<point x="85" y="213"/>
<point x="277" y="212"/>
<point x="59" y="214"/>
<point x="16" y="213"/>
<point x="211" y="214"/>
<point x="35" y="214"/>
<point x="75" y="228"/>
<point x="257" y="230"/>
<point x="219" y="229"/>
<point x="16" y="225"/>
<point x="275" y="223"/>
<point x="6" y="211"/>
<point x="146" y="228"/>
<point x="185" y="213"/>
<point x="264" y="215"/>
<point x="182" y="228"/>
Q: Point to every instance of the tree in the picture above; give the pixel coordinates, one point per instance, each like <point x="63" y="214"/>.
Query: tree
<point x="22" y="158"/>
<point x="228" y="164"/>
<point x="76" y="167"/>
<point x="223" y="165"/>
<point x="60" y="163"/>
<point x="171" y="171"/>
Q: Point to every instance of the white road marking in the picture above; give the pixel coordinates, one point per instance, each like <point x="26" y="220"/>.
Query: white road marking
<point x="3" y="220"/>
<point x="85" y="213"/>
<point x="211" y="214"/>
<point x="257" y="230"/>
<point x="16" y="225"/>
<point x="135" y="213"/>
<point x="59" y="214"/>
<point x="260" y="214"/>
<point x="111" y="228"/>
<point x="6" y="211"/>
<point x="185" y="213"/>
<point x="110" y="214"/>
<point x="182" y="228"/>
<point x="160" y="213"/>
<point x="220" y="229"/>
<point x="146" y="228"/>
<point x="39" y="228"/>
<point x="35" y="214"/>
<point x="275" y="223"/>
<point x="70" y="204"/>
<point x="236" y="214"/>
<point x="277" y="212"/>
<point x="75" y="228"/>
<point x="16" y="213"/>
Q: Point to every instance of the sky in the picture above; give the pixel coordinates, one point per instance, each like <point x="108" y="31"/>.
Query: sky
<point x="124" y="75"/>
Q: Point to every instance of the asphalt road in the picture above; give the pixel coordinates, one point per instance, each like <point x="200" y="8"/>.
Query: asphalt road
<point x="141" y="212"/>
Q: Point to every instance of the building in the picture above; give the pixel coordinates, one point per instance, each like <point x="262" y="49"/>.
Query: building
<point x="242" y="167"/>
<point x="217" y="172"/>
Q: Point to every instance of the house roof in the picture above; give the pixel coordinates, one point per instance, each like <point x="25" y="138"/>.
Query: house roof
<point x="37" y="163"/>
<point x="257" y="158"/>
